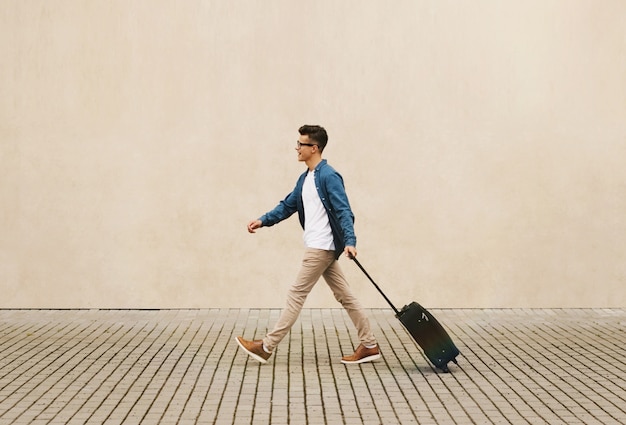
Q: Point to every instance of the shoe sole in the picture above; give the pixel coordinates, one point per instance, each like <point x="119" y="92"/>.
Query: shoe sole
<point x="250" y="353"/>
<point x="363" y="360"/>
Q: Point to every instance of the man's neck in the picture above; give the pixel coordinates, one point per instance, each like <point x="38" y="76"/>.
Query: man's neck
<point x="313" y="162"/>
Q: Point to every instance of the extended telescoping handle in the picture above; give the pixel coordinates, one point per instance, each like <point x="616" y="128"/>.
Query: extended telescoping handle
<point x="377" y="287"/>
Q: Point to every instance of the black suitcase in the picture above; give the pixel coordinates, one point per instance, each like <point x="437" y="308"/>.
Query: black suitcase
<point x="425" y="330"/>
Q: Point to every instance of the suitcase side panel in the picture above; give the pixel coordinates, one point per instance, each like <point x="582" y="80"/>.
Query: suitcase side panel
<point x="429" y="334"/>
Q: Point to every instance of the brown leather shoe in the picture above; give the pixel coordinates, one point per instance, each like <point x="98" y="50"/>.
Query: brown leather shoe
<point x="254" y="349"/>
<point x="362" y="355"/>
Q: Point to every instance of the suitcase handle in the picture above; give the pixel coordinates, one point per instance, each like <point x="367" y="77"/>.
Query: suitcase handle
<point x="377" y="287"/>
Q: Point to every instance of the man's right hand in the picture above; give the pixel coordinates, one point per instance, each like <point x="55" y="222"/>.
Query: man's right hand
<point x="253" y="225"/>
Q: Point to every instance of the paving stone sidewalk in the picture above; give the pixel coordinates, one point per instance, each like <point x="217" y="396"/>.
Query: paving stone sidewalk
<point x="518" y="366"/>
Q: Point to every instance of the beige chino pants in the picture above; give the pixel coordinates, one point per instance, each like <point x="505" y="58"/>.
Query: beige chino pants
<point x="315" y="264"/>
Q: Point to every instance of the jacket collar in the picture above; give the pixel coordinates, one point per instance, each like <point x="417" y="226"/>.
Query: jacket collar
<point x="320" y="165"/>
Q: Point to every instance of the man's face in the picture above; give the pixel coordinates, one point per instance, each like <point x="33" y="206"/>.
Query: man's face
<point x="305" y="148"/>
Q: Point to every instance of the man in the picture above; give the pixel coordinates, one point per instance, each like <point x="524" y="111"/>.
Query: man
<point x="322" y="205"/>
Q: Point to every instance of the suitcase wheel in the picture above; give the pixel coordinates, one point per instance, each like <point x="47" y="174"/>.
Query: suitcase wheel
<point x="444" y="367"/>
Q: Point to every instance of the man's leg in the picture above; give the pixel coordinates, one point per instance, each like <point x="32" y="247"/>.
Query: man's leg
<point x="339" y="285"/>
<point x="314" y="263"/>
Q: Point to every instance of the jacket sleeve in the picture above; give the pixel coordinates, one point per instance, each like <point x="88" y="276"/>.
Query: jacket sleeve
<point x="341" y="207"/>
<point x="283" y="210"/>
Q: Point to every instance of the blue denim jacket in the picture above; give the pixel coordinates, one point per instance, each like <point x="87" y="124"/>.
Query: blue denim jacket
<point x="331" y="190"/>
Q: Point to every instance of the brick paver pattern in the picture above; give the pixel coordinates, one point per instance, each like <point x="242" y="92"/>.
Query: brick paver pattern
<point x="518" y="366"/>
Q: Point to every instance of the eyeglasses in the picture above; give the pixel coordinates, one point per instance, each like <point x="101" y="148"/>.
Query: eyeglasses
<point x="298" y="144"/>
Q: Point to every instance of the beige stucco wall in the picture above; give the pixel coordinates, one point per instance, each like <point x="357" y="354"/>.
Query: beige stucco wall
<point x="482" y="143"/>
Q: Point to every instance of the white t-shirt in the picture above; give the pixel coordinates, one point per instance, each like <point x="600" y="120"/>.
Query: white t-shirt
<point x="317" y="231"/>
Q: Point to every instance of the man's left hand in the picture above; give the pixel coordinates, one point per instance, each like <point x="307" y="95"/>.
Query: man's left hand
<point x="350" y="252"/>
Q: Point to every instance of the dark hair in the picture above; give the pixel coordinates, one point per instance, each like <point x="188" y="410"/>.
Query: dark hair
<point x="316" y="133"/>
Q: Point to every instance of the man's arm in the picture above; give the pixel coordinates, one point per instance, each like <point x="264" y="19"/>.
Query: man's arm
<point x="341" y="208"/>
<point x="283" y="210"/>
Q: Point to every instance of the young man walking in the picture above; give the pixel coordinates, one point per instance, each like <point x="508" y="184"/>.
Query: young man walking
<point x="322" y="205"/>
